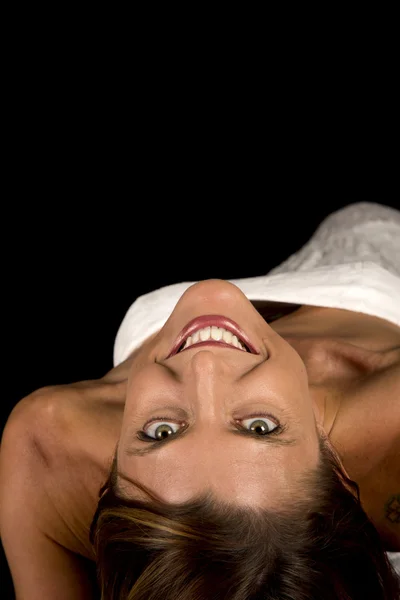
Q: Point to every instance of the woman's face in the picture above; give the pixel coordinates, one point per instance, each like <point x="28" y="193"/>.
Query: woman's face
<point x="210" y="392"/>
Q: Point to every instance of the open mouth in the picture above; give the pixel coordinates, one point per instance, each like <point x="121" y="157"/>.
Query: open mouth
<point x="212" y="330"/>
<point x="214" y="334"/>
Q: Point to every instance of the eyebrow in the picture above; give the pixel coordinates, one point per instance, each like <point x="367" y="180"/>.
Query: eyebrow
<point x="275" y="440"/>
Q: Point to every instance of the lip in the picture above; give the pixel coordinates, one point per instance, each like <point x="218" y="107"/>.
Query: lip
<point x="209" y="321"/>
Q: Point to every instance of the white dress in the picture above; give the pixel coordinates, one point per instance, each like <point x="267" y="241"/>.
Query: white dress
<point x="352" y="262"/>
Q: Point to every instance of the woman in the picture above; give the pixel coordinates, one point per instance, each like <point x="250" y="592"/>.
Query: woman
<point x="245" y="445"/>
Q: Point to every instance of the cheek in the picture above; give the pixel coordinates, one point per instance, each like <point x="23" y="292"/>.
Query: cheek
<point x="144" y="381"/>
<point x="291" y="374"/>
<point x="294" y="365"/>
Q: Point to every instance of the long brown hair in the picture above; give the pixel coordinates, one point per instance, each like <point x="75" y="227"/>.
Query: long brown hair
<point x="321" y="547"/>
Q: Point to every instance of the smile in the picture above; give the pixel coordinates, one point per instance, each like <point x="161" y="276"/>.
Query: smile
<point x="215" y="334"/>
<point x="212" y="330"/>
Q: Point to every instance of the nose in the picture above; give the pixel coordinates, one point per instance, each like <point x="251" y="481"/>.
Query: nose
<point x="204" y="366"/>
<point x="202" y="377"/>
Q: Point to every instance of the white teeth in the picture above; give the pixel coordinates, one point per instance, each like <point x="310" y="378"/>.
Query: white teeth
<point x="227" y="336"/>
<point x="205" y="334"/>
<point x="214" y="333"/>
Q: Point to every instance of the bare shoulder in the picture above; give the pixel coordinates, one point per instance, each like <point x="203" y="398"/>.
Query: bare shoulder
<point x="382" y="499"/>
<point x="379" y="450"/>
<point x="55" y="450"/>
<point x="51" y="419"/>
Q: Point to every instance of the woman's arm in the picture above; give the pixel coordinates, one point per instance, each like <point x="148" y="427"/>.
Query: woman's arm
<point x="40" y="566"/>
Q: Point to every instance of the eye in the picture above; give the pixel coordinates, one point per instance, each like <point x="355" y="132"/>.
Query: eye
<point x="161" y="428"/>
<point x="158" y="430"/>
<point x="260" y="425"/>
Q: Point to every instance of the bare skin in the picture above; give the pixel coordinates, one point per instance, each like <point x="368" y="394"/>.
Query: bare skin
<point x="346" y="366"/>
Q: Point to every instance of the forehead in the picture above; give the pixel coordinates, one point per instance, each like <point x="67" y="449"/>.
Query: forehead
<point x="238" y="470"/>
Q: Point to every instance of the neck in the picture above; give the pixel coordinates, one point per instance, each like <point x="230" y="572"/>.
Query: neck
<point x="334" y="367"/>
